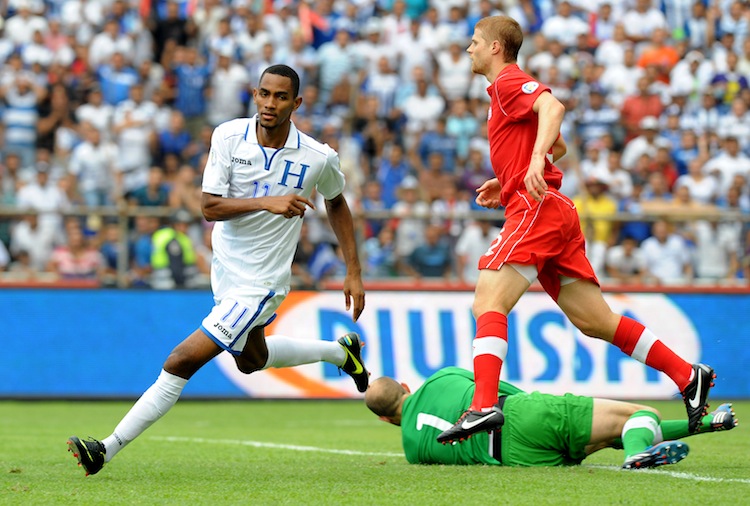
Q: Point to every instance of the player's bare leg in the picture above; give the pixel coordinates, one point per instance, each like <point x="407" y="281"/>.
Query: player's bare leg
<point x="495" y="295"/>
<point x="583" y="303"/>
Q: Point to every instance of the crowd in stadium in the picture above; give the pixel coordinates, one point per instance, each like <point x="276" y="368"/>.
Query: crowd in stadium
<point x="112" y="102"/>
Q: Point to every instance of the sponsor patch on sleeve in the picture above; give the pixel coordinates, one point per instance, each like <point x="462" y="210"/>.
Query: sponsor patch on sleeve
<point x="530" y="87"/>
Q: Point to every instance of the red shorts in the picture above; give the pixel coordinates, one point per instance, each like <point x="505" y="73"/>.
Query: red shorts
<point x="545" y="234"/>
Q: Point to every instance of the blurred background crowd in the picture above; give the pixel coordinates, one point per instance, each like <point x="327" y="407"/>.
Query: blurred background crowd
<point x="107" y="109"/>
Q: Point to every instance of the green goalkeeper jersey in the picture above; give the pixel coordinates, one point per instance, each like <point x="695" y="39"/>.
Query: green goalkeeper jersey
<point x="435" y="407"/>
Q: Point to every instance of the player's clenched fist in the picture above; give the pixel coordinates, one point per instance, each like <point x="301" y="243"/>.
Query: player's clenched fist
<point x="288" y="206"/>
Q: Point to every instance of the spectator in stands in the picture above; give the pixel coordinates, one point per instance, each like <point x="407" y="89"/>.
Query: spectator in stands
<point x="192" y="77"/>
<point x="422" y="109"/>
<point x="625" y="262"/>
<point x="21" y="97"/>
<point x="411" y="213"/>
<point x="109" y="247"/>
<point x="380" y="260"/>
<point x="433" y="257"/>
<point x="109" y="41"/>
<point x="644" y="104"/>
<point x="622" y="80"/>
<point x="175" y="139"/>
<point x="451" y="209"/>
<point x="660" y="54"/>
<point x="452" y="74"/>
<point x="471" y="245"/>
<point x="77" y="259"/>
<point x="564" y="26"/>
<point x="392" y="172"/>
<point x="667" y="256"/>
<point x="116" y="78"/>
<point x="92" y="163"/>
<point x="154" y="193"/>
<point x="728" y="163"/>
<point x="133" y="126"/>
<point x="21" y="27"/>
<point x="476" y="171"/>
<point x="641" y="21"/>
<point x="736" y="123"/>
<point x="411" y="52"/>
<point x="251" y="38"/>
<point x="27" y="236"/>
<point x="702" y="187"/>
<point x="185" y="191"/>
<point x="541" y="63"/>
<point x="717" y="249"/>
<point x="173" y="259"/>
<point x="228" y="89"/>
<point x="437" y="140"/>
<point x="95" y="112"/>
<point x="461" y="125"/>
<point x="432" y="178"/>
<point x="140" y="251"/>
<point x="339" y="64"/>
<point x="170" y="29"/>
<point x="704" y="118"/>
<point x="372" y="201"/>
<point x="647" y="143"/>
<point x="46" y="198"/>
<point x="598" y="118"/>
<point x="595" y="206"/>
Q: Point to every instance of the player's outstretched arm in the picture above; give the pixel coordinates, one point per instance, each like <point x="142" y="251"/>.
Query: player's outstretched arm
<point x="341" y="221"/>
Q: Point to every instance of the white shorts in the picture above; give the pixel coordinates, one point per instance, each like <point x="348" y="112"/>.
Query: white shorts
<point x="231" y="320"/>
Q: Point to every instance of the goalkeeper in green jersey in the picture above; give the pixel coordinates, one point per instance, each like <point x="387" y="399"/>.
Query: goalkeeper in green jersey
<point x="539" y="429"/>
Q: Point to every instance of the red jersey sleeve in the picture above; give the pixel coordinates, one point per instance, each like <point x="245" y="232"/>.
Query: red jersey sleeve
<point x="516" y="94"/>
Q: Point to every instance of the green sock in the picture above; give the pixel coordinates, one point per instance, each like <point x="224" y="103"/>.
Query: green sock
<point x="678" y="429"/>
<point x="639" y="431"/>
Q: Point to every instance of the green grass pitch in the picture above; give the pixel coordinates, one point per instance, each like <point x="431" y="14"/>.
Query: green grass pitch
<point x="328" y="453"/>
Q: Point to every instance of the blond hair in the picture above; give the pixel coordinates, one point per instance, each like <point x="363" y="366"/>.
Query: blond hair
<point x="505" y="30"/>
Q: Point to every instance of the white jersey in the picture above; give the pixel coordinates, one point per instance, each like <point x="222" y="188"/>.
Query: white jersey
<point x="256" y="250"/>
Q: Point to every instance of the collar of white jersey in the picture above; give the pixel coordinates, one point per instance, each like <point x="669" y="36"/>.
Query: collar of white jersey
<point x="292" y="140"/>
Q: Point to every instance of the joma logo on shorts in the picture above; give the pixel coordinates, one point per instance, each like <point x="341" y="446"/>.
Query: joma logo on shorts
<point x="241" y="161"/>
<point x="223" y="330"/>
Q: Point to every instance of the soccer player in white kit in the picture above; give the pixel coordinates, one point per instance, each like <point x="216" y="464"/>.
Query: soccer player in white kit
<point x="257" y="185"/>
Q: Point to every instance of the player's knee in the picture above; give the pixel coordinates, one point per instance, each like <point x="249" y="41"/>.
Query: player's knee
<point x="246" y="366"/>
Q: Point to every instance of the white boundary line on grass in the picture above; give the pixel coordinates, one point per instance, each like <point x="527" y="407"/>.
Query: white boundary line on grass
<point x="674" y="474"/>
<point x="277" y="446"/>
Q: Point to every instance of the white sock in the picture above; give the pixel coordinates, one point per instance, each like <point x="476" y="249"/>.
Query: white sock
<point x="285" y="351"/>
<point x="153" y="404"/>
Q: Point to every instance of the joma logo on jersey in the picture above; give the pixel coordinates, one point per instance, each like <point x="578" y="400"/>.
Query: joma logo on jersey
<point x="221" y="329"/>
<point x="241" y="161"/>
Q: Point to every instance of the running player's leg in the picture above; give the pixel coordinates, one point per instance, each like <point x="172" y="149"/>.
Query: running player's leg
<point x="261" y="352"/>
<point x="496" y="293"/>
<point x="184" y="361"/>
<point x="584" y="305"/>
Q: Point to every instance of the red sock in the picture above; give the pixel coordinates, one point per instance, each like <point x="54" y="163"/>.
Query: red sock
<point x="490" y="347"/>
<point x="638" y="342"/>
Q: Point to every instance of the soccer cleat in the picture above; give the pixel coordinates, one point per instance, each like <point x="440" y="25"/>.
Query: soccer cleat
<point x="667" y="452"/>
<point x="722" y="418"/>
<point x="90" y="454"/>
<point x="695" y="395"/>
<point x="473" y="422"/>
<point x="353" y="365"/>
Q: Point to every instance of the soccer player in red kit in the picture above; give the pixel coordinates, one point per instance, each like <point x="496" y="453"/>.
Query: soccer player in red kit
<point x="541" y="238"/>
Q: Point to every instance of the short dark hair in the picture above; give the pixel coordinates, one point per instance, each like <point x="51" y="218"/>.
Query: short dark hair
<point x="285" y="71"/>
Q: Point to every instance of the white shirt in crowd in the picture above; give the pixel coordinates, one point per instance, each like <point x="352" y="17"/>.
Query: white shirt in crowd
<point x="666" y="261"/>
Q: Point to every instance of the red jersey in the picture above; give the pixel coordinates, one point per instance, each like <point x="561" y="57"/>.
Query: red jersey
<point x="512" y="127"/>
